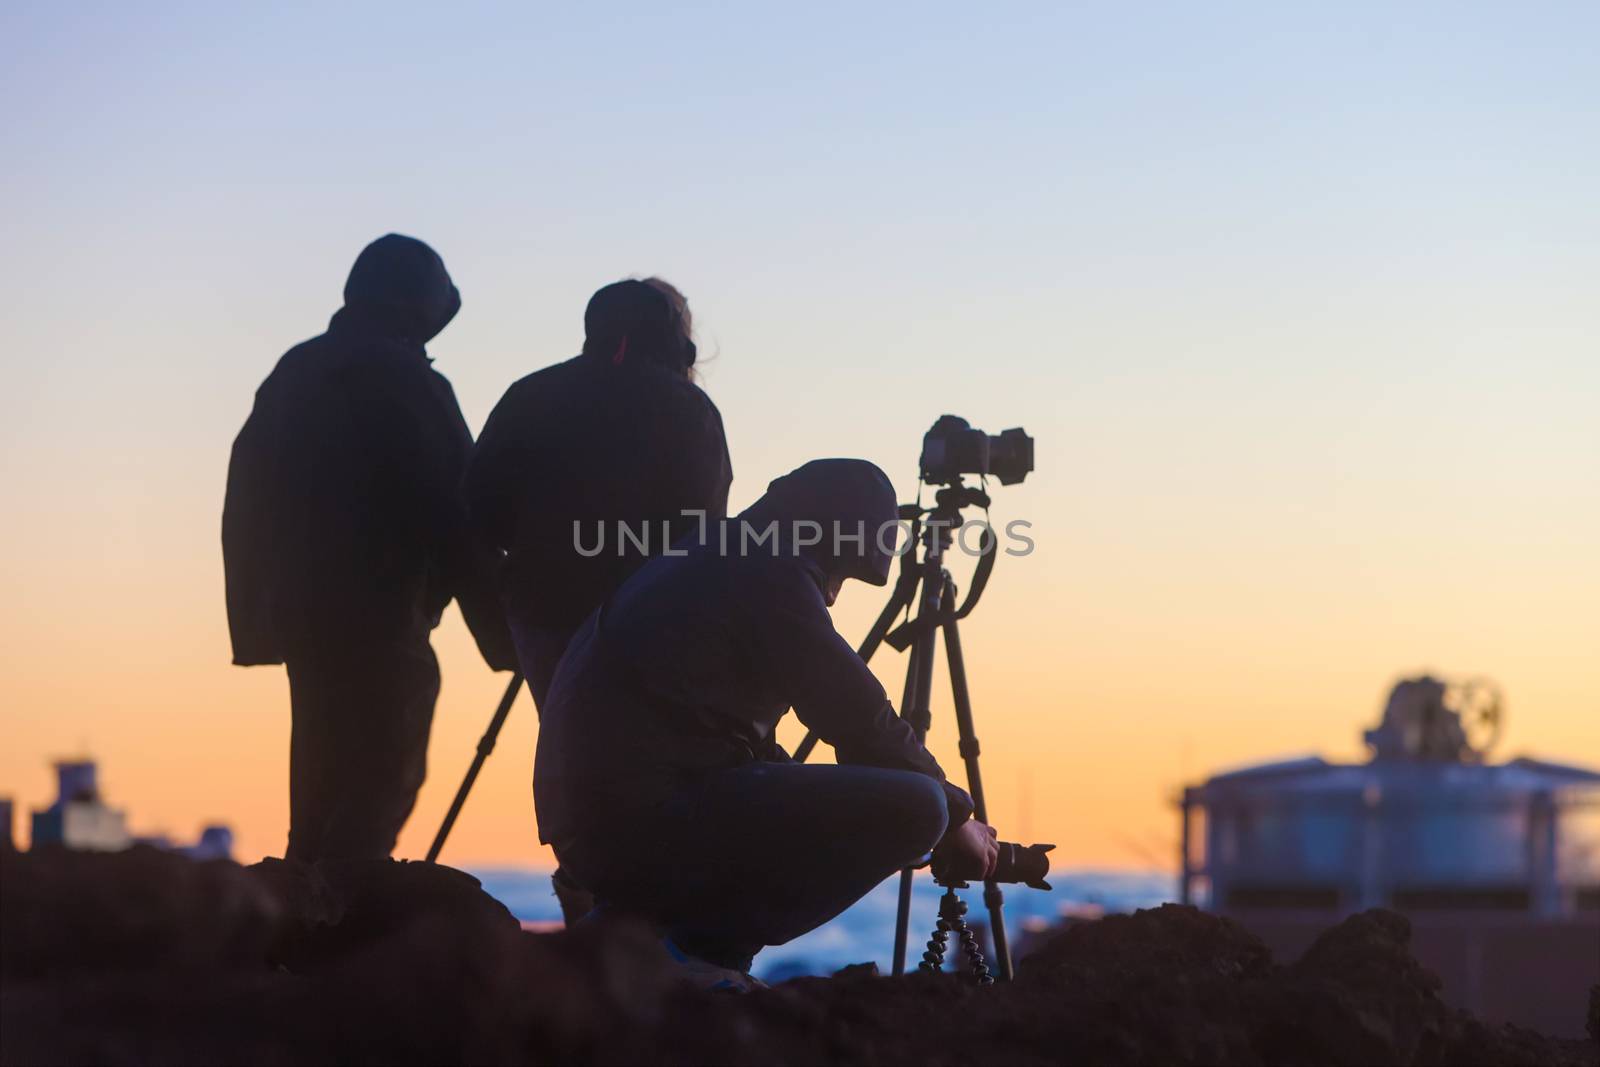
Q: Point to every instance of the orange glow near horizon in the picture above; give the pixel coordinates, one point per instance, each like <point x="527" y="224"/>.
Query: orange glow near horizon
<point x="1102" y="678"/>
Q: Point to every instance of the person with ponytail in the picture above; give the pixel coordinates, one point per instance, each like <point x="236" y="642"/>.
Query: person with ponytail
<point x="588" y="468"/>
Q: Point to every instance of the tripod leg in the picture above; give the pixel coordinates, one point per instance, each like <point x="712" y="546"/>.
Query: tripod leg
<point x="915" y="709"/>
<point x="993" y="897"/>
<point x="485" y="746"/>
<point x="902" y="923"/>
<point x="902" y="915"/>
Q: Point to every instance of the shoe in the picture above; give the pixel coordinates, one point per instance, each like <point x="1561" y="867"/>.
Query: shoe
<point x="708" y="977"/>
<point x="577" y="903"/>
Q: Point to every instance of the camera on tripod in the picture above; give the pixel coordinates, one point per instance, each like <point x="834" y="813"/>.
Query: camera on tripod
<point x="953" y="448"/>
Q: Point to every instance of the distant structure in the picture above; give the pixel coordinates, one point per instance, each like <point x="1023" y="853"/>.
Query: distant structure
<point x="1496" y="865"/>
<point x="7" y="842"/>
<point x="80" y="819"/>
<point x="216" y="843"/>
<point x="1427" y="721"/>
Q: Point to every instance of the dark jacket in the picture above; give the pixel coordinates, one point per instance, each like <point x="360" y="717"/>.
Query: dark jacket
<point x="344" y="517"/>
<point x="689" y="666"/>
<point x="592" y="443"/>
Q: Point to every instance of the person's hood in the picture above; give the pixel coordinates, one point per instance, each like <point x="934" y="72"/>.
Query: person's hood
<point x="399" y="286"/>
<point x="843" y="496"/>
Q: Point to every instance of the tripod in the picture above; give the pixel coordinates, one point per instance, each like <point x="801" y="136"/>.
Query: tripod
<point x="485" y="746"/>
<point x="937" y="613"/>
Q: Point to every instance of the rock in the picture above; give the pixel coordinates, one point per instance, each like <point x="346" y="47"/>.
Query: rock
<point x="1359" y="994"/>
<point x="1171" y="938"/>
<point x="334" y="909"/>
<point x="310" y="906"/>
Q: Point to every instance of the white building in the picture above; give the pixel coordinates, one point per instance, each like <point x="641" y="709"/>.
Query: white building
<point x="1496" y="865"/>
<point x="79" y="818"/>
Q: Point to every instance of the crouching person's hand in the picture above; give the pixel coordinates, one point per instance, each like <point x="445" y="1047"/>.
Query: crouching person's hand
<point x="968" y="852"/>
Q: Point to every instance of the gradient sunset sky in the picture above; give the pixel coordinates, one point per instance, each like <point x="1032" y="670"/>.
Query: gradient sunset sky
<point x="1300" y="302"/>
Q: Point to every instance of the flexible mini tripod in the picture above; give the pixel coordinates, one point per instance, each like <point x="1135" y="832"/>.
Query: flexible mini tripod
<point x="953" y="919"/>
<point x="937" y="612"/>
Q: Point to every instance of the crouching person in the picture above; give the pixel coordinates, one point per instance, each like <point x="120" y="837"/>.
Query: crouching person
<point x="658" y="781"/>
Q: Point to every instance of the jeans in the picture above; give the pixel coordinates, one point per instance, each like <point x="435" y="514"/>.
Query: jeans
<point x="759" y="854"/>
<point x="539" y="650"/>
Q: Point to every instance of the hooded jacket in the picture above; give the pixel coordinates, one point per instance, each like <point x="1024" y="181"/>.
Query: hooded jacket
<point x="343" y="517"/>
<point x="839" y="513"/>
<point x="689" y="667"/>
<point x="574" y="450"/>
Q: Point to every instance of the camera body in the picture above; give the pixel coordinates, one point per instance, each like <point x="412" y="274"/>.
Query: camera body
<point x="1027" y="865"/>
<point x="953" y="448"/>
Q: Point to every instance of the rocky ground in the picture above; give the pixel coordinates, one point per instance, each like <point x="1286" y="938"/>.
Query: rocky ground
<point x="144" y="957"/>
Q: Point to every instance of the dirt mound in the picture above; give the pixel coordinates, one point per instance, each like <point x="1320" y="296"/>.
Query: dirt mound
<point x="65" y="912"/>
<point x="141" y="958"/>
<point x="334" y="910"/>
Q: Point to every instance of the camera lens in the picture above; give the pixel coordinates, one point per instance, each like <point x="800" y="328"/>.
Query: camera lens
<point x="1027" y="864"/>
<point x="1011" y="456"/>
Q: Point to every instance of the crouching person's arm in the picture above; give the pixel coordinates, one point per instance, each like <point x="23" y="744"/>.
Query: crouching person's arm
<point x="835" y="694"/>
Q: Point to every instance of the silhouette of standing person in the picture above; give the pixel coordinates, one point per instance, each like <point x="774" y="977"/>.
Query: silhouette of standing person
<point x="618" y="437"/>
<point x="344" y="537"/>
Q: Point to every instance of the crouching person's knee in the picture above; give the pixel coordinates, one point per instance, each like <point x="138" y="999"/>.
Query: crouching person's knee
<point x="923" y="818"/>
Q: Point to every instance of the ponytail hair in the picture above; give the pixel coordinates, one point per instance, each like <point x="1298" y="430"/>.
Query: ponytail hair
<point x="640" y="322"/>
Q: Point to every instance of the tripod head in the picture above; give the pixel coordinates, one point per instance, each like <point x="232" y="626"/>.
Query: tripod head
<point x="949" y="501"/>
<point x="945" y="514"/>
<point x="933" y="529"/>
